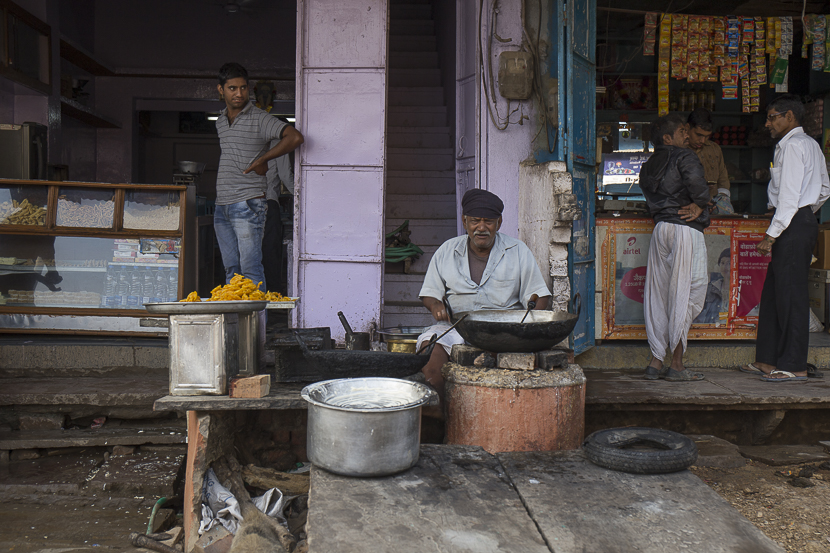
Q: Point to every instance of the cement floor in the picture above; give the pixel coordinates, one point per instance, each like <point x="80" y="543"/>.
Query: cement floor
<point x="66" y="528"/>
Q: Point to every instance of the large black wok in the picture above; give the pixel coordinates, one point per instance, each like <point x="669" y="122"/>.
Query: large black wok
<point x="500" y="330"/>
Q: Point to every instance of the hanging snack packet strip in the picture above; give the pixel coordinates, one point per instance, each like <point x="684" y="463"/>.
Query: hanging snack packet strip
<point x="679" y="43"/>
<point x="818" y="35"/>
<point x="663" y="65"/>
<point x="650" y="33"/>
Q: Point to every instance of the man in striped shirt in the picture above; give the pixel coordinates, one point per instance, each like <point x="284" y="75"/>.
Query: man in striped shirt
<point x="245" y="133"/>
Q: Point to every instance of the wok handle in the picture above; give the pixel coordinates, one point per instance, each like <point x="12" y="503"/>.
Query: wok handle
<point x="446" y="303"/>
<point x="577" y="304"/>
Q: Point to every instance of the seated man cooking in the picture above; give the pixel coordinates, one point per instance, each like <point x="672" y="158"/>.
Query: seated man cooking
<point x="483" y="269"/>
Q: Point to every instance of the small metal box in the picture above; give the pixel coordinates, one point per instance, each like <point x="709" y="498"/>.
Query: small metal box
<point x="204" y="353"/>
<point x="515" y="75"/>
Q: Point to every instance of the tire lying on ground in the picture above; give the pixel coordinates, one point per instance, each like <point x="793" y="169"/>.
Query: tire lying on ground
<point x="660" y="451"/>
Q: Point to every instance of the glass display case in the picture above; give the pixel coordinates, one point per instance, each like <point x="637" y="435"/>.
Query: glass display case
<point x="87" y="257"/>
<point x="86" y="207"/>
<point x="23" y="205"/>
<point x="151" y="210"/>
<point x="84" y="272"/>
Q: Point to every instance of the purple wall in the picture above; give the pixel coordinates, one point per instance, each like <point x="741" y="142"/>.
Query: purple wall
<point x="341" y="110"/>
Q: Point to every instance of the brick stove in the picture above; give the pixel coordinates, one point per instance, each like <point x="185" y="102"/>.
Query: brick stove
<point x="514" y="401"/>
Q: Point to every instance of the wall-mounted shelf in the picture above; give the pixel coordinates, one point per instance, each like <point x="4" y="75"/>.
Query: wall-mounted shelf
<point x="79" y="57"/>
<point x="84" y="114"/>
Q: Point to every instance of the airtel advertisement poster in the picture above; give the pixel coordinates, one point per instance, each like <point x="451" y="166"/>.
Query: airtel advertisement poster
<point x="752" y="270"/>
<point x="735" y="273"/>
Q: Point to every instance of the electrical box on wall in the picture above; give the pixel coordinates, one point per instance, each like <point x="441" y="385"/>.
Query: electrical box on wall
<point x="515" y="75"/>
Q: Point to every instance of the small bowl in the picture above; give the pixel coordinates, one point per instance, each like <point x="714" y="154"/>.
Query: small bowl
<point x="191" y="167"/>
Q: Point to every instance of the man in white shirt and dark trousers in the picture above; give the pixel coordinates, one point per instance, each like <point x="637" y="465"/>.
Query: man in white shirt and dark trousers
<point x="797" y="189"/>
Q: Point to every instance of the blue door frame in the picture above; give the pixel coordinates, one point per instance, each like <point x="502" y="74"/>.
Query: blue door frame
<point x="573" y="63"/>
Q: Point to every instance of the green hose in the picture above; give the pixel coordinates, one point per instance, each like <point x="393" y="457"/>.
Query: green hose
<point x="399" y="253"/>
<point x="158" y="504"/>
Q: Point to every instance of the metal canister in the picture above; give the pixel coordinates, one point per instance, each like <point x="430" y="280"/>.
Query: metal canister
<point x="203" y="353"/>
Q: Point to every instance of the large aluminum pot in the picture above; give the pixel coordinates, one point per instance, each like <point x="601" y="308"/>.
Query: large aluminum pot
<point x="365" y="426"/>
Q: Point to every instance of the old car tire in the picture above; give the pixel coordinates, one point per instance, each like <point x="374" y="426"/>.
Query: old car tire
<point x="672" y="451"/>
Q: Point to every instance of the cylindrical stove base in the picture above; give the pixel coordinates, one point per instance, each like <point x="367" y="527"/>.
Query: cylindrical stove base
<point x="505" y="410"/>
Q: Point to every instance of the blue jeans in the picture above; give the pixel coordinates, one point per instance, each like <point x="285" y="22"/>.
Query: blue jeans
<point x="239" y="228"/>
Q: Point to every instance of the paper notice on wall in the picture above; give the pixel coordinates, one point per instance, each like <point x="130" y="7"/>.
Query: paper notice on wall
<point x="748" y="280"/>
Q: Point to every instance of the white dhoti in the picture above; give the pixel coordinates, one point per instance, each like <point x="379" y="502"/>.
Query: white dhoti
<point x="676" y="281"/>
<point x="447" y="341"/>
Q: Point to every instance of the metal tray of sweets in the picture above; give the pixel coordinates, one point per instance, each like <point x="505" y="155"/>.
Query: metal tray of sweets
<point x="288" y="303"/>
<point x="204" y="307"/>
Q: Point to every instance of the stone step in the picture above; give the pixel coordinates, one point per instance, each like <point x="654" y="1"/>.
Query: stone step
<point x="412" y="43"/>
<point x="406" y="314"/>
<point x="416" y="116"/>
<point x="414" y="60"/>
<point x="415" y="159"/>
<point x="400" y="287"/>
<point x="426" y="232"/>
<point x="418" y="137"/>
<point x="410" y="11"/>
<point x="414" y="77"/>
<point x="415" y="27"/>
<point x="45" y="355"/>
<point x="438" y="206"/>
<point x="420" y="265"/>
<point x="87" y="437"/>
<point x="88" y="477"/>
<point x="420" y="182"/>
<point x="114" y="397"/>
<point x="432" y="96"/>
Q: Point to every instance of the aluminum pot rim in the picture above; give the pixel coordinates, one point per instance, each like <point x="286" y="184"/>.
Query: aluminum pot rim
<point x="428" y="393"/>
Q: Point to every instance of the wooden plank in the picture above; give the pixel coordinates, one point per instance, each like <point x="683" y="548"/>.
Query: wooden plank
<point x="454" y="499"/>
<point x="722" y="388"/>
<point x="86" y="437"/>
<point x="579" y="507"/>
<point x="282" y="396"/>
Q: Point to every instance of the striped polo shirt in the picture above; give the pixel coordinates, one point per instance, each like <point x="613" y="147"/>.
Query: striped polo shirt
<point x="243" y="142"/>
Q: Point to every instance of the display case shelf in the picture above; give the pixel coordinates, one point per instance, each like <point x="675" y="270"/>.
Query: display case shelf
<point x="75" y="261"/>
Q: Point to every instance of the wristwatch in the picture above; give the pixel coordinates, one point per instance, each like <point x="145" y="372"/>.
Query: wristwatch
<point x="769" y="239"/>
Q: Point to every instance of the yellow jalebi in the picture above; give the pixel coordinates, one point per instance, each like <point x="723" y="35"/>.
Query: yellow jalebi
<point x="239" y="288"/>
<point x="192" y="296"/>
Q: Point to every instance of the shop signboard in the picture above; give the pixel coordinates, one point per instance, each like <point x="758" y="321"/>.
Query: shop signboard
<point x="622" y="167"/>
<point x="735" y="271"/>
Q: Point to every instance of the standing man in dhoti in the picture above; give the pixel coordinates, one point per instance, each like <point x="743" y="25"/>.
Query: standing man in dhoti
<point x="674" y="185"/>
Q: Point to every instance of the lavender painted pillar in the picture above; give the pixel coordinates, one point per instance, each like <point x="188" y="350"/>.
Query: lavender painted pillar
<point x="341" y="111"/>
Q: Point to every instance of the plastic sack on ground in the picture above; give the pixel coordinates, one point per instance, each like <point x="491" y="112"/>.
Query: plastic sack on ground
<point x="815" y="324"/>
<point x="221" y="507"/>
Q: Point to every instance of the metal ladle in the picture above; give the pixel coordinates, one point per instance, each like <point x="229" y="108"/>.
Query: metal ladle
<point x="530" y="306"/>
